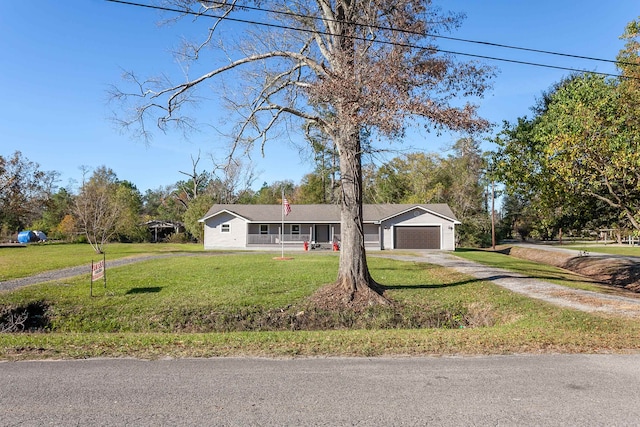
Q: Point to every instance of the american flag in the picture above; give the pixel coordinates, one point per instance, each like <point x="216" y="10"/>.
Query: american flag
<point x="286" y="206"/>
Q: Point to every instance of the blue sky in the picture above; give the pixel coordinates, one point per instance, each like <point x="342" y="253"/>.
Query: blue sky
<point x="59" y="58"/>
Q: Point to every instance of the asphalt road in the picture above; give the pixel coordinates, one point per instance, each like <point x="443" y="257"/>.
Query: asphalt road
<point x="538" y="390"/>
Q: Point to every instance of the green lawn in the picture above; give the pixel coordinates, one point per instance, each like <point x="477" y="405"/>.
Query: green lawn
<point x="168" y="307"/>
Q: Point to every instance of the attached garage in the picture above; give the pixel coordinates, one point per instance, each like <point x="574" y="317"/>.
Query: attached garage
<point x="417" y="237"/>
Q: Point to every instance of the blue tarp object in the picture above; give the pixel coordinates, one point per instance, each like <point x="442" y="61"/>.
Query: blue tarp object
<point x="27" y="236"/>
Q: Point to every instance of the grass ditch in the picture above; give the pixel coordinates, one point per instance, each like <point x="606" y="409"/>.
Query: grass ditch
<point x="29" y="317"/>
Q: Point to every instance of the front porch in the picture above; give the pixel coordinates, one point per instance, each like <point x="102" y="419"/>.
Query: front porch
<point x="276" y="239"/>
<point x="295" y="239"/>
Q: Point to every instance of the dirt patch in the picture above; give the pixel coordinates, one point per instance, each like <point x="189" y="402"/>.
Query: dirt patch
<point x="332" y="307"/>
<point x="334" y="297"/>
<point x="616" y="272"/>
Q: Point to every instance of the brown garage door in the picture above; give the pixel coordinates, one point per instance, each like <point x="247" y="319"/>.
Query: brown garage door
<point x="417" y="237"/>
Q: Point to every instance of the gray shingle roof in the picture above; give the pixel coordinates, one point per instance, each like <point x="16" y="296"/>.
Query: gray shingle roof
<point x="323" y="213"/>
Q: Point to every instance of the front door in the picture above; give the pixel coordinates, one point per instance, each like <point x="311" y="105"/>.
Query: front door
<point x="322" y="233"/>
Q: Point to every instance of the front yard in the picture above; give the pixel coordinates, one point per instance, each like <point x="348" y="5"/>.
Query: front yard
<point x="251" y="304"/>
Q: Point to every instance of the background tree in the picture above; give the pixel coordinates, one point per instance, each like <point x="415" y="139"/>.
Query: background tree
<point x="629" y="65"/>
<point x="130" y="226"/>
<point x="429" y="178"/>
<point x="466" y="167"/>
<point x="465" y="171"/>
<point x="66" y="229"/>
<point x="98" y="208"/>
<point x="186" y="191"/>
<point x="366" y="66"/>
<point x="197" y="209"/>
<point x="231" y="181"/>
<point x="56" y="208"/>
<point x="391" y="182"/>
<point x="272" y="194"/>
<point x="537" y="201"/>
<point x="579" y="151"/>
<point x="162" y="203"/>
<point x="590" y="146"/>
<point x="322" y="185"/>
<point x="24" y="192"/>
<point x="313" y="189"/>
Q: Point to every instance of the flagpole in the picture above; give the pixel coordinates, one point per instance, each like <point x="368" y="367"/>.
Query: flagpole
<point x="282" y="229"/>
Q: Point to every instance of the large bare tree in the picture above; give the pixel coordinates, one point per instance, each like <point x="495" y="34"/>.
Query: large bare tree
<point x="345" y="66"/>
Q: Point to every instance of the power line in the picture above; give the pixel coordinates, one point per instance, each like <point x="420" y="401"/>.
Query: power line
<point x="413" y="46"/>
<point x="480" y="42"/>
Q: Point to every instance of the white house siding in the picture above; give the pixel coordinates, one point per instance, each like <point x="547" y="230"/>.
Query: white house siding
<point x="214" y="238"/>
<point x="448" y="237"/>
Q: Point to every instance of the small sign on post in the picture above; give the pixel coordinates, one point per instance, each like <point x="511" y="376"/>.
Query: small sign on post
<point x="98" y="272"/>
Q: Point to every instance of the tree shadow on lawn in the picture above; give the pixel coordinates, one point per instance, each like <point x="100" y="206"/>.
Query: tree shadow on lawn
<point x="501" y="250"/>
<point x="145" y="290"/>
<point x="487" y="279"/>
<point x="432" y="286"/>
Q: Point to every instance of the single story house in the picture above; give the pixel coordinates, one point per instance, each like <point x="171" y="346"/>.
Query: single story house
<point x="386" y="226"/>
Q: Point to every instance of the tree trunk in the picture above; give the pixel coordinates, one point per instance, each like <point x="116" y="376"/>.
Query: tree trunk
<point x="353" y="279"/>
<point x="354" y="282"/>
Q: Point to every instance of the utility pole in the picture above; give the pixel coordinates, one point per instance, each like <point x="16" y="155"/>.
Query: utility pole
<point x="493" y="216"/>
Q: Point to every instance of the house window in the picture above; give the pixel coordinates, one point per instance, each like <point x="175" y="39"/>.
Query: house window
<point x="295" y="228"/>
<point x="264" y="228"/>
<point x="225" y="228"/>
